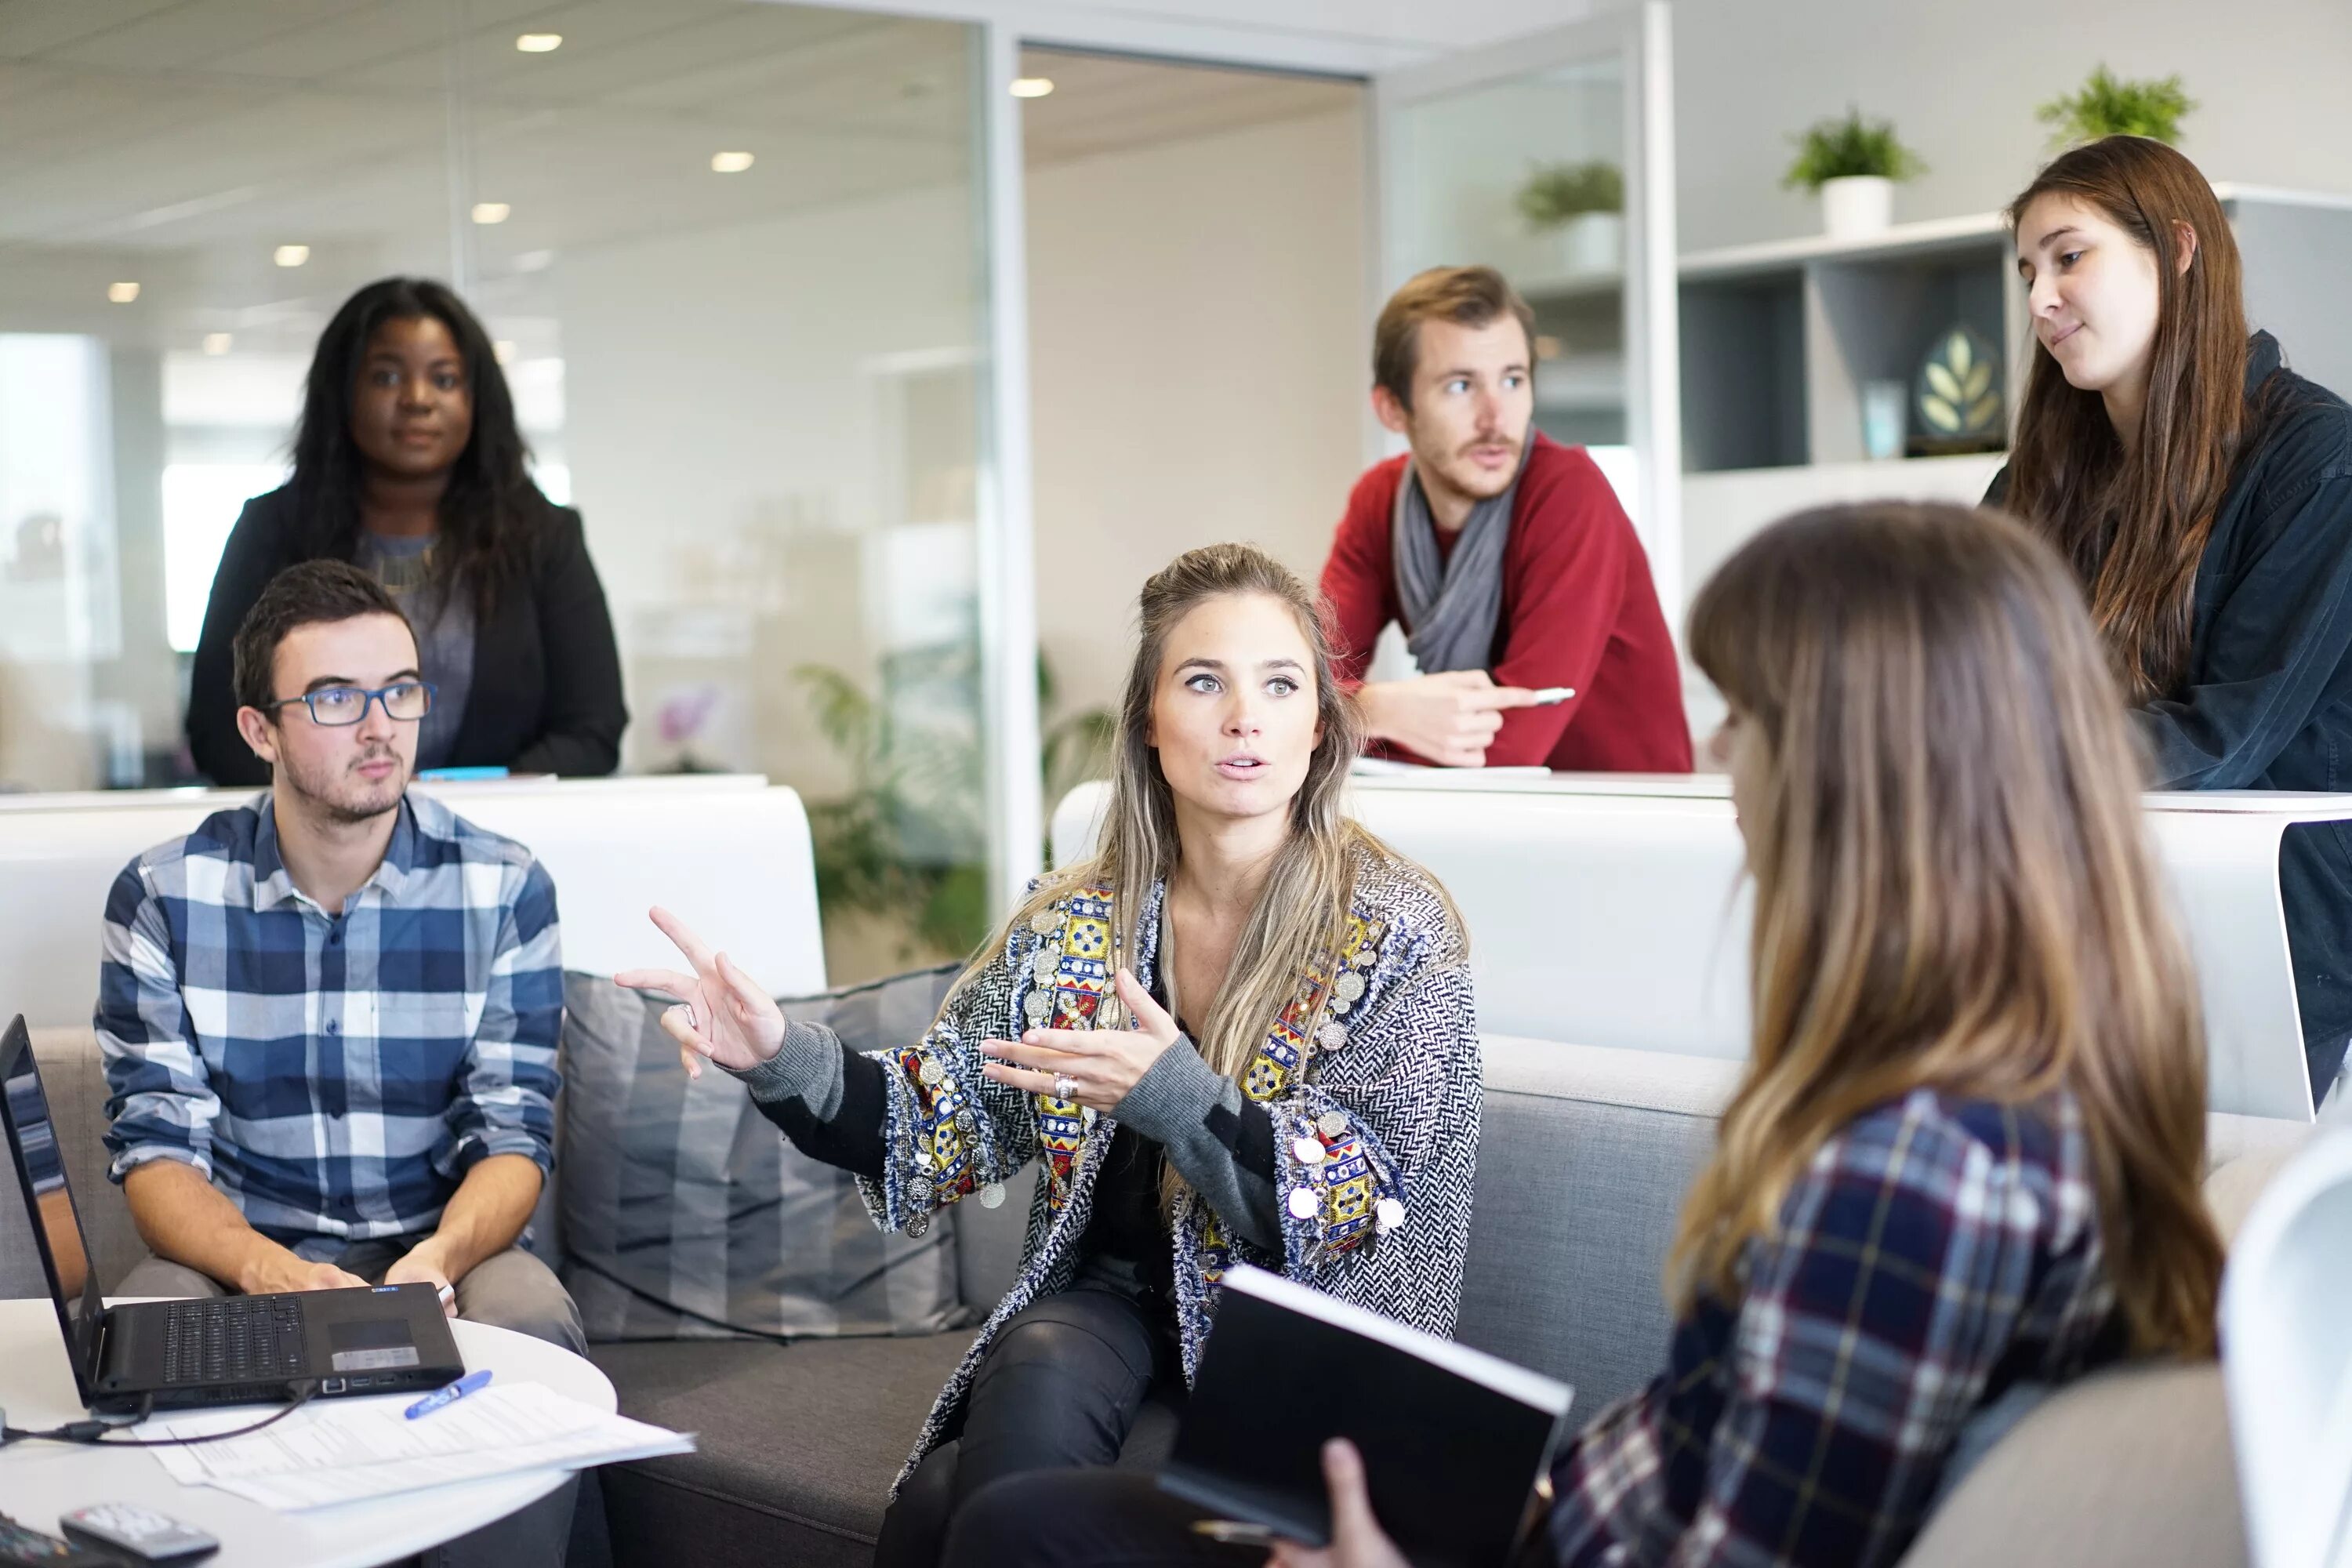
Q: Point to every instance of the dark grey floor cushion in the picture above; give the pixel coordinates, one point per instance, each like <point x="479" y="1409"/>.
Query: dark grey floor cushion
<point x="799" y="1445"/>
<point x="687" y="1215"/>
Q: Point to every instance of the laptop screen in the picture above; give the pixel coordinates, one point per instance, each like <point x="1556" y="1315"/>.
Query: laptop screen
<point x="41" y="1167"/>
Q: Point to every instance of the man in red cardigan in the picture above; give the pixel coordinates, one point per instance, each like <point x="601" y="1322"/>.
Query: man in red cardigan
<point x="1503" y="557"/>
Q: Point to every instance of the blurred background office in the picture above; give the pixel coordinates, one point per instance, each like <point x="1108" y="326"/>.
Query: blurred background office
<point x="882" y="355"/>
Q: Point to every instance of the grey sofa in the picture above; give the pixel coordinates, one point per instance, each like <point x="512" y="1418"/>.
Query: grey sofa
<point x="1584" y="1160"/>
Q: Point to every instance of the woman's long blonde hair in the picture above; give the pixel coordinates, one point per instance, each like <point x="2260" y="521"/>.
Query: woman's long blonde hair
<point x="1953" y="886"/>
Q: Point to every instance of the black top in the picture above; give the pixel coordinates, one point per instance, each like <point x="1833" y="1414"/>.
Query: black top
<point x="2267" y="701"/>
<point x="546" y="691"/>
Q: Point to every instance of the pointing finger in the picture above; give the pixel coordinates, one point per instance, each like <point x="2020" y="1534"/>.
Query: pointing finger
<point x="696" y="951"/>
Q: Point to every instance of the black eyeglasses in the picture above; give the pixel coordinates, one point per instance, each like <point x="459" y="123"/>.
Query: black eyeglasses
<point x="406" y="700"/>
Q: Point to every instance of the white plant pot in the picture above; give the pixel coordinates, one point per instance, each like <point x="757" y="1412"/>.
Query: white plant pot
<point x="1856" y="205"/>
<point x="1591" y="242"/>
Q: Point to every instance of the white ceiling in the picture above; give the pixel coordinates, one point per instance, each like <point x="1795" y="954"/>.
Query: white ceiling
<point x="1344" y="36"/>
<point x="179" y="141"/>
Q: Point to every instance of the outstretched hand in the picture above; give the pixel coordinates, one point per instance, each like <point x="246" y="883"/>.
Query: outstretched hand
<point x="1102" y="1064"/>
<point x="722" y="1014"/>
<point x="1357" y="1539"/>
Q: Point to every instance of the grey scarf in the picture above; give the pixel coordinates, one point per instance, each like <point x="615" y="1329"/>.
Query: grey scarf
<point x="1451" y="606"/>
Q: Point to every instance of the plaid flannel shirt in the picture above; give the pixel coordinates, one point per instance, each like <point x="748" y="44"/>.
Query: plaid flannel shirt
<point x="1936" y="1252"/>
<point x="335" y="1076"/>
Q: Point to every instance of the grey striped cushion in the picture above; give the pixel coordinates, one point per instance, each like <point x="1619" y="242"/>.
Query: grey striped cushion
<point x="687" y="1215"/>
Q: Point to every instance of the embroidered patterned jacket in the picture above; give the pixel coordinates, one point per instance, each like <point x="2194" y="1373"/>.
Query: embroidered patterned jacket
<point x="1374" y="1079"/>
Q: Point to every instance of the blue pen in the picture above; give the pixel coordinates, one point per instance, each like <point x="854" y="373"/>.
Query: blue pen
<point x="449" y="1394"/>
<point x="460" y="775"/>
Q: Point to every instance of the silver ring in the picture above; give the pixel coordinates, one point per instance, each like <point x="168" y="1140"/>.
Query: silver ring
<point x="1065" y="1086"/>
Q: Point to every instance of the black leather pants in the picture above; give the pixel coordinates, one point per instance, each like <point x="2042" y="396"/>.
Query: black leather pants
<point x="1059" y="1391"/>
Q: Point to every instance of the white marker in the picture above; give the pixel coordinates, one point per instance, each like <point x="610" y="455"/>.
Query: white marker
<point x="1546" y="696"/>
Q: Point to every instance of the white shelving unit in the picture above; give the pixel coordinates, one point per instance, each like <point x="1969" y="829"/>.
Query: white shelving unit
<point x="1778" y="339"/>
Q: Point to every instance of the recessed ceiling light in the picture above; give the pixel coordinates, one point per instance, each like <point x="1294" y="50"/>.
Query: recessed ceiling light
<point x="1031" y="86"/>
<point x="292" y="255"/>
<point x="730" y="162"/>
<point x="540" y="42"/>
<point x="216" y="343"/>
<point x="491" y="212"/>
<point x="505" y="350"/>
<point x="122" y="293"/>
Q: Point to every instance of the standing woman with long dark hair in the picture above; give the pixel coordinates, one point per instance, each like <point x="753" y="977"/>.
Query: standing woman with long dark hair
<point x="2202" y="493"/>
<point x="408" y="462"/>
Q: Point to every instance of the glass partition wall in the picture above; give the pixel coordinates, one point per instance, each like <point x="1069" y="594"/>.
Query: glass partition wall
<point x="735" y="258"/>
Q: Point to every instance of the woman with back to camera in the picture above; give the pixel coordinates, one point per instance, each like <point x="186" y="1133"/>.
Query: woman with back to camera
<point x="1962" y="1162"/>
<point x="408" y="462"/>
<point x="1241" y="1031"/>
<point x="2202" y="492"/>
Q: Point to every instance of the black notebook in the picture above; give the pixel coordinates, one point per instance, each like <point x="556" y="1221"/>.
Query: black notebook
<point x="1454" y="1439"/>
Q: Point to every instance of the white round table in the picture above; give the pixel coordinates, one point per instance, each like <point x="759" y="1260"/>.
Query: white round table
<point x="38" y="1481"/>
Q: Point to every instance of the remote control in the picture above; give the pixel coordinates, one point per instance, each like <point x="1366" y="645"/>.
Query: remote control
<point x="22" y="1546"/>
<point x="140" y="1533"/>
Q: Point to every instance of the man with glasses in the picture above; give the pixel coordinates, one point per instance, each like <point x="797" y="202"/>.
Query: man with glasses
<point x="330" y="1015"/>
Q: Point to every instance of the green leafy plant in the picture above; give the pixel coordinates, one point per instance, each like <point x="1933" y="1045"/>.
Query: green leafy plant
<point x="2106" y="105"/>
<point x="908" y="843"/>
<point x="1554" y="193"/>
<point x="1841" y="149"/>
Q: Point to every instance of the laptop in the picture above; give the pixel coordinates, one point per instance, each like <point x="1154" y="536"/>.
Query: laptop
<point x="233" y="1350"/>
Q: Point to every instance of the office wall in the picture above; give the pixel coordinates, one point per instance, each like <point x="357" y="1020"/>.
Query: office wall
<point x="1198" y="340"/>
<point x="1961" y="82"/>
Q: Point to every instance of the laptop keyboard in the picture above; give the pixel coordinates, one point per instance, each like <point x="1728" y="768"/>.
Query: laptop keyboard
<point x="233" y="1339"/>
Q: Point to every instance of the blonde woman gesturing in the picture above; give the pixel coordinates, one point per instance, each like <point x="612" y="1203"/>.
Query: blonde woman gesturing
<point x="1242" y="1032"/>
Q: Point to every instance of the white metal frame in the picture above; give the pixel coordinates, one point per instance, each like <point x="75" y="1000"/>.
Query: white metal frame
<point x="1006" y="568"/>
<point x="1643" y="34"/>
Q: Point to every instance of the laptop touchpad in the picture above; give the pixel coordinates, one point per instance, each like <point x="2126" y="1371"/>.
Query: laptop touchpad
<point x="371" y="1344"/>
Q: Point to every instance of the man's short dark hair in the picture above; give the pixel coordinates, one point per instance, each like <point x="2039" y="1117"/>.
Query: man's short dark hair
<point x="1471" y="297"/>
<point x="311" y="594"/>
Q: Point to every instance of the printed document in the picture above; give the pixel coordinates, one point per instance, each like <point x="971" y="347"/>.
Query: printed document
<point x="347" y="1450"/>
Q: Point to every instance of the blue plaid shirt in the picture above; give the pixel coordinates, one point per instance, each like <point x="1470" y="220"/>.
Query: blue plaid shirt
<point x="335" y="1076"/>
<point x="1936" y="1252"/>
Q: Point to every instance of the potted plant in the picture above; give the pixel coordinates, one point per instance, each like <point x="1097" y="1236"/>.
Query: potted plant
<point x="2105" y="105"/>
<point x="1584" y="205"/>
<point x="1852" y="163"/>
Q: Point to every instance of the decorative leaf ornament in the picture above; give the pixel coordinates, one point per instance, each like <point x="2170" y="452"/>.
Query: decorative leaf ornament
<point x="1955" y="392"/>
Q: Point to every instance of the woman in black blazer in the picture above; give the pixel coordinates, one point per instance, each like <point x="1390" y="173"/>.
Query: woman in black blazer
<point x="408" y="462"/>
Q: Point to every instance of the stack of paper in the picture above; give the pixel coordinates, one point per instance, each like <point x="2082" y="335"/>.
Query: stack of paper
<point x="348" y="1450"/>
